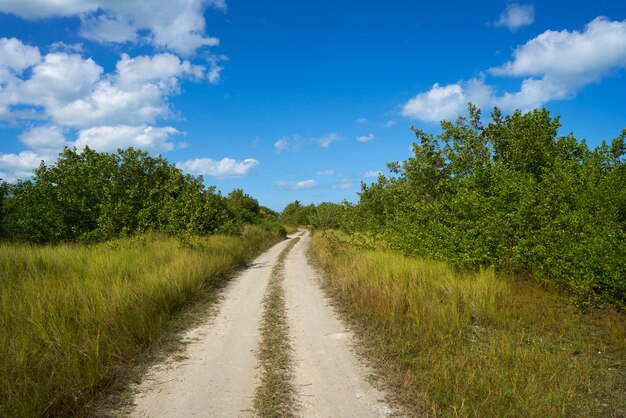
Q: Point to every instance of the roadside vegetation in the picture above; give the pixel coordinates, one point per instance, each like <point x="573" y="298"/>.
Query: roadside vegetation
<point x="99" y="253"/>
<point x="511" y="194"/>
<point x="275" y="394"/>
<point x="73" y="317"/>
<point x="487" y="273"/>
<point x="451" y="343"/>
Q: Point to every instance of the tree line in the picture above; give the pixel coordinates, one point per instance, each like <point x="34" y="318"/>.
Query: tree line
<point x="510" y="193"/>
<point x="87" y="196"/>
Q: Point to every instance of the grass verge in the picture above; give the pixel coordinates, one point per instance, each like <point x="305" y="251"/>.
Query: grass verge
<point x="73" y="318"/>
<point x="275" y="395"/>
<point x="453" y="344"/>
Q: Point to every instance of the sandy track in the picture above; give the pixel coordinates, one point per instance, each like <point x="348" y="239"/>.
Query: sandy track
<point x="330" y="380"/>
<point x="219" y="375"/>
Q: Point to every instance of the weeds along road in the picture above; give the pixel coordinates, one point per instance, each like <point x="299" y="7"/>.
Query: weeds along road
<point x="218" y="373"/>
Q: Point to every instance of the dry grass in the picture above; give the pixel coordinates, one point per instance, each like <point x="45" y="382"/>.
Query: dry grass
<point x="477" y="344"/>
<point x="275" y="395"/>
<point x="73" y="317"/>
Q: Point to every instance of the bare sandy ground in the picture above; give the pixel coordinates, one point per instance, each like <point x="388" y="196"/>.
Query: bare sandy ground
<point x="217" y="378"/>
<point x="218" y="375"/>
<point x="330" y="380"/>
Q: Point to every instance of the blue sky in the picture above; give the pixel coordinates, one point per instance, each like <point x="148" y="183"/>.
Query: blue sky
<point x="293" y="100"/>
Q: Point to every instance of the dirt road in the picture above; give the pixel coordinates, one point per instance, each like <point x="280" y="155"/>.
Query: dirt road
<point x="219" y="374"/>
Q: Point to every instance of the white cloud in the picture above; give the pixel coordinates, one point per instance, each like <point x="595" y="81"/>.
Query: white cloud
<point x="296" y="142"/>
<point x="15" y="56"/>
<point x="110" y="138"/>
<point x="224" y="168"/>
<point x="391" y="123"/>
<point x="326" y="140"/>
<point x="47" y="139"/>
<point x="61" y="46"/>
<point x="372" y="174"/>
<point x="58" y="80"/>
<point x="361" y="121"/>
<point x="175" y="25"/>
<point x="281" y="145"/>
<point x="296" y="185"/>
<point x="516" y="16"/>
<point x="75" y="92"/>
<point x="161" y="69"/>
<point x="561" y="63"/>
<point x="534" y="93"/>
<point x="557" y="65"/>
<point x="445" y="102"/>
<point x="366" y="138"/>
<point x="325" y="173"/>
<point x="20" y="166"/>
<point x="344" y="184"/>
<point x="586" y="55"/>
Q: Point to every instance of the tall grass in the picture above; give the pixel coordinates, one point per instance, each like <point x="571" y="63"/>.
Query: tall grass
<point x="459" y="344"/>
<point x="72" y="317"/>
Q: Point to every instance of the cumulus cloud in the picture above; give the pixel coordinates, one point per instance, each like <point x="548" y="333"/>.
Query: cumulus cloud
<point x="224" y="168"/>
<point x="110" y="138"/>
<point x="559" y="64"/>
<point x="445" y="102"/>
<point x="46" y="139"/>
<point x="585" y="55"/>
<point x="326" y="140"/>
<point x="281" y="145"/>
<point x="372" y="174"/>
<point x="72" y="91"/>
<point x="296" y="185"/>
<point x="175" y="25"/>
<point x="16" y="57"/>
<point x="45" y="143"/>
<point x="516" y="16"/>
<point x="20" y="166"/>
<point x="61" y="93"/>
<point x="555" y="65"/>
<point x="366" y="138"/>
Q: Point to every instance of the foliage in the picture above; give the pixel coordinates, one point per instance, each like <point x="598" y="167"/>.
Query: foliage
<point x="511" y="194"/>
<point x="453" y="343"/>
<point x="91" y="196"/>
<point x="326" y="215"/>
<point x="4" y="190"/>
<point x="296" y="214"/>
<point x="72" y="317"/>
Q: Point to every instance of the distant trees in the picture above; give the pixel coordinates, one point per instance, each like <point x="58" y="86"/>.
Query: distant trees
<point x="326" y="215"/>
<point x="511" y="194"/>
<point x="91" y="196"/>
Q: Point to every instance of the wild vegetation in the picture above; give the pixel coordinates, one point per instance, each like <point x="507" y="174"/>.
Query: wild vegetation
<point x="99" y="254"/>
<point x="88" y="196"/>
<point x="453" y="343"/>
<point x="487" y="273"/>
<point x="72" y="317"/>
<point x="512" y="194"/>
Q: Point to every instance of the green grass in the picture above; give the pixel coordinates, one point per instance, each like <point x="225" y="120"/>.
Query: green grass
<point x="275" y="395"/>
<point x="459" y="344"/>
<point x="73" y="317"/>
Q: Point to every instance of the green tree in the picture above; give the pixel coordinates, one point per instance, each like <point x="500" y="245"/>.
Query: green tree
<point x="513" y="194"/>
